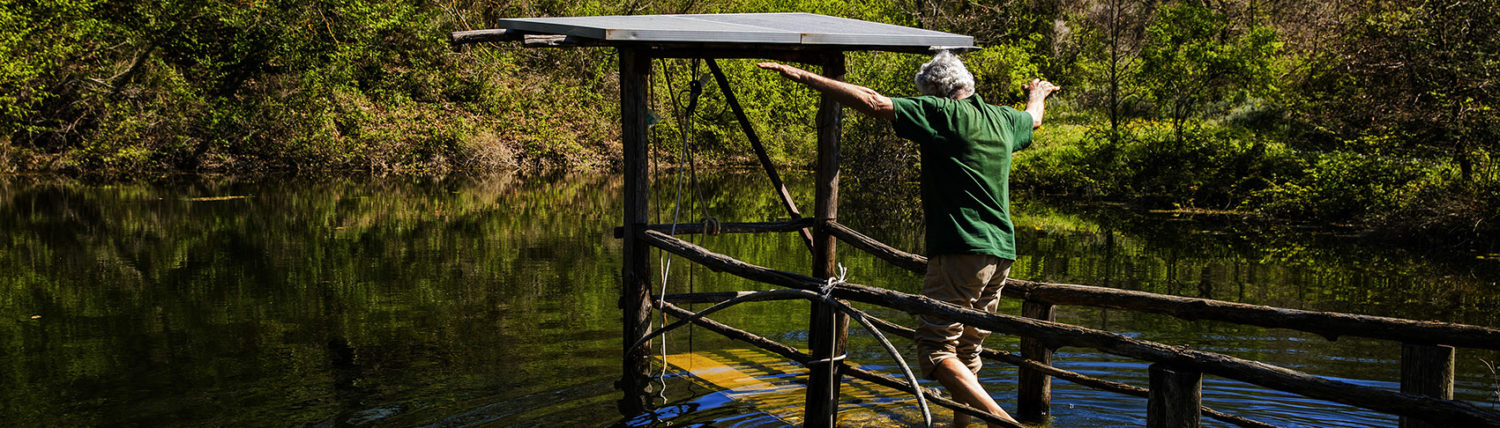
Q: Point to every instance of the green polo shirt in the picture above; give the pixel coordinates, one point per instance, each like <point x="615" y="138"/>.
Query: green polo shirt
<point x="966" y="150"/>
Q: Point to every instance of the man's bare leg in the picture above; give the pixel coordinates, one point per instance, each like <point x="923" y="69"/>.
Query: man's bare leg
<point x="965" y="388"/>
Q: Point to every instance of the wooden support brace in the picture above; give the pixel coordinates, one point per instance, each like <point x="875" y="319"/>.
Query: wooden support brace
<point x="760" y="150"/>
<point x="1426" y="370"/>
<point x="696" y="228"/>
<point x="1175" y="397"/>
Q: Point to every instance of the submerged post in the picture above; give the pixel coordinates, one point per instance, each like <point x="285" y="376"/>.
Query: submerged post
<point x="1175" y="399"/>
<point x="828" y="328"/>
<point x="1034" y="392"/>
<point x="635" y="299"/>
<point x="1426" y="370"/>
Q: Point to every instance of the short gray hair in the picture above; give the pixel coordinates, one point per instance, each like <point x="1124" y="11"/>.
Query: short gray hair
<point x="945" y="76"/>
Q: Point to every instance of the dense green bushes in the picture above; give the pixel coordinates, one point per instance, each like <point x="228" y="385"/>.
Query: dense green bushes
<point x="1374" y="113"/>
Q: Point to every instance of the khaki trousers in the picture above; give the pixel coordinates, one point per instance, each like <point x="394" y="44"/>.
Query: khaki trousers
<point x="969" y="281"/>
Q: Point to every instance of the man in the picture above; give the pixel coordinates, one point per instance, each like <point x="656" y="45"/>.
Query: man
<point x="966" y="150"/>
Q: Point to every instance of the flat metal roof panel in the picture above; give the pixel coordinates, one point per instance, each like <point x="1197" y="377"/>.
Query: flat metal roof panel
<point x="746" y="28"/>
<point x="657" y="28"/>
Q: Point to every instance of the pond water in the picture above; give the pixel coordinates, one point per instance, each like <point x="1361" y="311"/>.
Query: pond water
<point x="492" y="301"/>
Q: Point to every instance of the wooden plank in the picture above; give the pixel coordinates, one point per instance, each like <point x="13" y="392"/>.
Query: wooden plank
<point x="760" y="150"/>
<point x="1034" y="388"/>
<point x="1426" y="370"/>
<point x="635" y="273"/>
<point x="1056" y="335"/>
<point x="828" y="329"/>
<point x="1175" y="397"/>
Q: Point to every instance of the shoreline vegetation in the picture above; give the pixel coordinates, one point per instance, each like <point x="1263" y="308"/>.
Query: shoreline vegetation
<point x="1376" y="116"/>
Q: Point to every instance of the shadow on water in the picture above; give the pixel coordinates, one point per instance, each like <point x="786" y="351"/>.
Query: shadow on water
<point x="492" y="301"/>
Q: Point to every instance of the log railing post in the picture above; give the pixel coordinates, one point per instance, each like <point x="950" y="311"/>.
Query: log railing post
<point x="635" y="299"/>
<point x="1426" y="370"/>
<point x="1175" y="398"/>
<point x="828" y="328"/>
<point x="1034" y="392"/>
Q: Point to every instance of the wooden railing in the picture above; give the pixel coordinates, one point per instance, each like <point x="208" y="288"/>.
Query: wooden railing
<point x="1175" y="372"/>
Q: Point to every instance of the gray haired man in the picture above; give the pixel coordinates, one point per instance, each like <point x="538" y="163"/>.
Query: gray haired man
<point x="966" y="148"/>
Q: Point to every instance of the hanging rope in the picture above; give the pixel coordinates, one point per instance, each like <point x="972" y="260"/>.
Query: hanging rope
<point x="685" y="124"/>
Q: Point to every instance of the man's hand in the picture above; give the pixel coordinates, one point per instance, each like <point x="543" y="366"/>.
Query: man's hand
<point x="792" y="73"/>
<point x="1036" y="95"/>
<point x="1039" y="89"/>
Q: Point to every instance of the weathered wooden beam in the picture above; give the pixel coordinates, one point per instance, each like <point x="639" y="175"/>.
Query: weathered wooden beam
<point x="710" y="297"/>
<point x="1034" y="388"/>
<point x="760" y="150"/>
<point x="558" y="41"/>
<point x="1328" y="324"/>
<point x="902" y="259"/>
<point x="793" y="354"/>
<point x="635" y="273"/>
<point x="1057" y="335"/>
<point x="1426" y="370"/>
<point x="696" y="228"/>
<point x="828" y="329"/>
<point x="484" y="36"/>
<point x="1176" y="395"/>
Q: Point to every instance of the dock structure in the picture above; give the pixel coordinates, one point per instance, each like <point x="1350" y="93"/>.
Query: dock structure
<point x="1174" y="394"/>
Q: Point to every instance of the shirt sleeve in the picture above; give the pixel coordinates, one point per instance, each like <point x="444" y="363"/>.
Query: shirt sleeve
<point x="1021" y="127"/>
<point x="913" y="118"/>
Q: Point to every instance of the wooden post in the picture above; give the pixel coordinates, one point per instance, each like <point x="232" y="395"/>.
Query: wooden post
<point x="1426" y="370"/>
<point x="828" y="329"/>
<point x="1034" y="400"/>
<point x="635" y="299"/>
<point x="1175" y="398"/>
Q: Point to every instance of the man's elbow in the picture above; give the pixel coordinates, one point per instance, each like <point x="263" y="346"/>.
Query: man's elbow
<point x="1036" y="120"/>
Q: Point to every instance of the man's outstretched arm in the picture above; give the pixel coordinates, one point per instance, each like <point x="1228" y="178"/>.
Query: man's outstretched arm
<point x="859" y="98"/>
<point x="1036" y="97"/>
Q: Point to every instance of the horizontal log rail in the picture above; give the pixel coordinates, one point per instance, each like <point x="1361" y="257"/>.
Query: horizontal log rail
<point x="997" y="355"/>
<point x="1057" y="335"/>
<point x="1331" y="325"/>
<point x="697" y="228"/>
<point x="1075" y="377"/>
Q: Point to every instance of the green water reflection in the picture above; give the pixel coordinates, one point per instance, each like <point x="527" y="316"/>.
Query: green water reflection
<point x="492" y="301"/>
